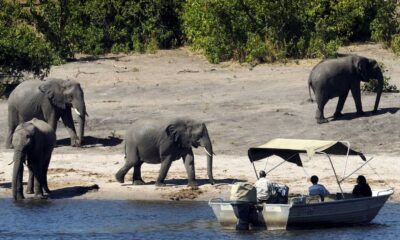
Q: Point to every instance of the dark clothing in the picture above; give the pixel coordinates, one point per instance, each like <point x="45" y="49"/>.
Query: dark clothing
<point x="362" y="190"/>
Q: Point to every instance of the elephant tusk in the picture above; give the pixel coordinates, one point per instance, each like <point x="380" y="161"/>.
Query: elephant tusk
<point x="77" y="112"/>
<point x="207" y="152"/>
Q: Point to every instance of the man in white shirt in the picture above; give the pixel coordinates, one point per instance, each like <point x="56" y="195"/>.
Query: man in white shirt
<point x="263" y="186"/>
<point x="317" y="189"/>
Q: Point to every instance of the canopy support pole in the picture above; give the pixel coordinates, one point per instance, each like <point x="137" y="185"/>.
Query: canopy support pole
<point x="347" y="156"/>
<point x="357" y="169"/>
<point x="276" y="166"/>
<point x="255" y="170"/>
<point x="334" y="171"/>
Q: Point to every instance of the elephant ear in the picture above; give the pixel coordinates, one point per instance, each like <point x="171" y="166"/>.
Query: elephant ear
<point x="362" y="68"/>
<point x="177" y="132"/>
<point x="54" y="92"/>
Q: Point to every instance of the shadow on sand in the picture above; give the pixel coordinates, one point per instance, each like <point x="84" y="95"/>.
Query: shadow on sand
<point x="200" y="182"/>
<point x="351" y="116"/>
<point x="70" y="192"/>
<point x="89" y="141"/>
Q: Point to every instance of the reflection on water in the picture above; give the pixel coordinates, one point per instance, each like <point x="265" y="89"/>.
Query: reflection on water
<point x="88" y="219"/>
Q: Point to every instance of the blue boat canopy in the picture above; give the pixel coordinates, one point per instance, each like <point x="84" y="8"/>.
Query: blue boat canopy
<point x="289" y="149"/>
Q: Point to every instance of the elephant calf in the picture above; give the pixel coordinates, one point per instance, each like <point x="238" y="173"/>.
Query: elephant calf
<point x="33" y="141"/>
<point x="163" y="142"/>
<point x="336" y="77"/>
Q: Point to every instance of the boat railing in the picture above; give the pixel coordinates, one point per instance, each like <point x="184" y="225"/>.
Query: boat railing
<point x="388" y="191"/>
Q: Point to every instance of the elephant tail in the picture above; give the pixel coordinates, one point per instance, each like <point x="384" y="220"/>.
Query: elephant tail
<point x="309" y="91"/>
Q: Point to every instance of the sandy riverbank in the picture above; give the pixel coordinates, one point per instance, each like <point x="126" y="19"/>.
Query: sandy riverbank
<point x="241" y="105"/>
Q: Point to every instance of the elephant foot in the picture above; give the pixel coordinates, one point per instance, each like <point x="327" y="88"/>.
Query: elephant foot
<point x="375" y="112"/>
<point x="193" y="183"/>
<point x="212" y="182"/>
<point x="29" y="191"/>
<point x="361" y="113"/>
<point x="138" y="182"/>
<point x="337" y="115"/>
<point x="40" y="196"/>
<point x="9" y="146"/>
<point x="47" y="190"/>
<point x="160" y="184"/>
<point x="119" y="178"/>
<point x="19" y="197"/>
<point x="322" y="120"/>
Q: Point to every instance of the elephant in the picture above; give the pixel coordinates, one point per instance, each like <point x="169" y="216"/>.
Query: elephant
<point x="47" y="100"/>
<point x="164" y="141"/>
<point x="33" y="142"/>
<point x="336" y="77"/>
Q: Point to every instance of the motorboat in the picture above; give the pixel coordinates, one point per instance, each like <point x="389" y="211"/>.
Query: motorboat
<point x="307" y="211"/>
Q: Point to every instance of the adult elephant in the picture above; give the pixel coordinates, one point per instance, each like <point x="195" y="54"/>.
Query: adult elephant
<point x="33" y="142"/>
<point x="163" y="142"/>
<point x="336" y="77"/>
<point x="47" y="100"/>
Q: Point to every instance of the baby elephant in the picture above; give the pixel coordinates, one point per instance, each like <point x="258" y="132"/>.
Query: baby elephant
<point x="33" y="141"/>
<point x="163" y="142"/>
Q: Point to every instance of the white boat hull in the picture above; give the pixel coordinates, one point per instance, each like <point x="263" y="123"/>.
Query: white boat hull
<point x="286" y="216"/>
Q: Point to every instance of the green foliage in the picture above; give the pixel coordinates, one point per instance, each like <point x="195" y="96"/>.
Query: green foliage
<point x="101" y="26"/>
<point x="395" y="44"/>
<point x="22" y="48"/>
<point x="269" y="30"/>
<point x="372" y="85"/>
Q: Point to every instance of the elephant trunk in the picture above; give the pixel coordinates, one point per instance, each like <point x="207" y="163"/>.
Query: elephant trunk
<point x="19" y="157"/>
<point x="378" y="92"/>
<point x="206" y="143"/>
<point x="80" y="109"/>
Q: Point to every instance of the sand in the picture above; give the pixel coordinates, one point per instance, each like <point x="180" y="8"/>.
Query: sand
<point x="243" y="106"/>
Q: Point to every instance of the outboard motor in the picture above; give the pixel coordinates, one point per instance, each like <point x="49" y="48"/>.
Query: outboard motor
<point x="243" y="200"/>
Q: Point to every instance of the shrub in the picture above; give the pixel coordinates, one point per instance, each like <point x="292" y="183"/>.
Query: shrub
<point x="372" y="85"/>
<point x="22" y="48"/>
<point x="265" y="30"/>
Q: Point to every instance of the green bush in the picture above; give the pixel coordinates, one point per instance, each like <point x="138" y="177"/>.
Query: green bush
<point x="99" y="26"/>
<point x="22" y="48"/>
<point x="269" y="30"/>
<point x="372" y="85"/>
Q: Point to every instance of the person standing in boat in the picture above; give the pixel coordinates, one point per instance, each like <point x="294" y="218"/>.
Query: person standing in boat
<point x="362" y="188"/>
<point x="317" y="189"/>
<point x="263" y="186"/>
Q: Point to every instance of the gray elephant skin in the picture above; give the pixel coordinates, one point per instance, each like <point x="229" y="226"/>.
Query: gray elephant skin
<point x="47" y="100"/>
<point x="336" y="77"/>
<point x="163" y="142"/>
<point x="33" y="142"/>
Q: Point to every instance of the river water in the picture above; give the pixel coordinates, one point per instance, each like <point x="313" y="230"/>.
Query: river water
<point x="89" y="219"/>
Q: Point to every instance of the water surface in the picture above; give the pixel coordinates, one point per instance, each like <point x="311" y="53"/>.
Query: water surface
<point x="95" y="219"/>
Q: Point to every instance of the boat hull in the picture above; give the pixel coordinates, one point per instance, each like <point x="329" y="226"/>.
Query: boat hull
<point x="286" y="216"/>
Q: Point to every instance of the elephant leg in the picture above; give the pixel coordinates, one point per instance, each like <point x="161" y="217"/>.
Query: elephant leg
<point x="137" y="175"/>
<point x="12" y="125"/>
<point x="38" y="182"/>
<point x="29" y="189"/>
<point x="321" y="102"/>
<point x="188" y="160"/>
<point x="132" y="159"/>
<point x="20" y="175"/>
<point x="45" y="169"/>
<point x="69" y="124"/>
<point x="339" y="107"/>
<point x="356" y="92"/>
<point x="165" y="165"/>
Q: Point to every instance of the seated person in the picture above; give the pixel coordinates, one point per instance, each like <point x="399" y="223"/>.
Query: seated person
<point x="362" y="188"/>
<point x="263" y="186"/>
<point x="317" y="189"/>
